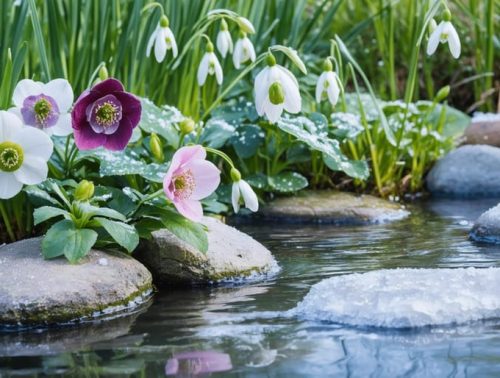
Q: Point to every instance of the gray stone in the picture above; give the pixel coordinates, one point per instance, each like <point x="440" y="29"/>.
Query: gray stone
<point x="231" y="255"/>
<point x="333" y="207"/>
<point x="483" y="132"/>
<point x="34" y="291"/>
<point x="470" y="171"/>
<point x="487" y="226"/>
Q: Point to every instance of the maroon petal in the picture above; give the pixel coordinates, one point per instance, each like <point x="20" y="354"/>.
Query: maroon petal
<point x="119" y="140"/>
<point x="131" y="107"/>
<point x="79" y="115"/>
<point x="108" y="86"/>
<point x="87" y="139"/>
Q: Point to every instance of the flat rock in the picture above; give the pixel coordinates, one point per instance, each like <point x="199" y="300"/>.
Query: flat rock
<point x="467" y="172"/>
<point x="231" y="255"/>
<point x="483" y="132"/>
<point x="333" y="207"/>
<point x="487" y="226"/>
<point x="34" y="291"/>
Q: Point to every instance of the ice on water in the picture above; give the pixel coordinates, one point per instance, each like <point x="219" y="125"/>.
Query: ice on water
<point x="401" y="298"/>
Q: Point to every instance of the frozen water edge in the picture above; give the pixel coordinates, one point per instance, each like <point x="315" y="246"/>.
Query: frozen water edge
<point x="404" y="298"/>
<point x="485" y="117"/>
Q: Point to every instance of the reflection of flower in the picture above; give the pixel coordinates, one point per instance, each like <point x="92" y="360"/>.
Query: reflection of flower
<point x="24" y="152"/>
<point x="105" y="116"/>
<point x="189" y="179"/>
<point x="44" y="106"/>
<point x="198" y="362"/>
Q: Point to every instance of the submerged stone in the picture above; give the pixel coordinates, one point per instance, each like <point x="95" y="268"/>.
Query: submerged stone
<point x="231" y="255"/>
<point x="487" y="227"/>
<point x="470" y="171"/>
<point x="34" y="291"/>
<point x="333" y="207"/>
<point x="405" y="298"/>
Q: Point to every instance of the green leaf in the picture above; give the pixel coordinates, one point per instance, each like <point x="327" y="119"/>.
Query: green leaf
<point x="161" y="121"/>
<point x="63" y="238"/>
<point x="346" y="125"/>
<point x="455" y="121"/>
<point x="247" y="140"/>
<point x="40" y="197"/>
<point x="236" y="113"/>
<point x="287" y="182"/>
<point x="123" y="234"/>
<point x="192" y="233"/>
<point x="354" y="168"/>
<point x="101" y="211"/>
<point x="216" y="132"/>
<point x="44" y="213"/>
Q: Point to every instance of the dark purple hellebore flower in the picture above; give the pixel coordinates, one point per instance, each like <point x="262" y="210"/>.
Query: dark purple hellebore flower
<point x="105" y="115"/>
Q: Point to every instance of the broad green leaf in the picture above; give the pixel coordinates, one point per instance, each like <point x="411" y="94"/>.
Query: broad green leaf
<point x="192" y="233"/>
<point x="257" y="180"/>
<point x="346" y="125"/>
<point x="161" y="120"/>
<point x="40" y="197"/>
<point x="122" y="233"/>
<point x="236" y="113"/>
<point x="101" y="211"/>
<point x="44" y="213"/>
<point x="354" y="168"/>
<point x="247" y="140"/>
<point x="287" y="182"/>
<point x="455" y="122"/>
<point x="216" y="133"/>
<point x="64" y="239"/>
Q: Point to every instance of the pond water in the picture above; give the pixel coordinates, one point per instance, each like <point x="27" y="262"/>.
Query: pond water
<point x="246" y="331"/>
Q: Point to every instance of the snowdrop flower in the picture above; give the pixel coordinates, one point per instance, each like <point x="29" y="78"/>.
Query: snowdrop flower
<point x="209" y="65"/>
<point x="276" y="89"/>
<point x="224" y="41"/>
<point x="44" y="106"/>
<point x="242" y="189"/>
<point x="189" y="179"/>
<point x="245" y="25"/>
<point x="445" y="33"/>
<point x="328" y="84"/>
<point x="163" y="39"/>
<point x="243" y="51"/>
<point x="24" y="152"/>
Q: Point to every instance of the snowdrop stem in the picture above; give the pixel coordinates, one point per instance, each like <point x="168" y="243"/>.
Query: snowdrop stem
<point x="222" y="155"/>
<point x="6" y="221"/>
<point x="153" y="5"/>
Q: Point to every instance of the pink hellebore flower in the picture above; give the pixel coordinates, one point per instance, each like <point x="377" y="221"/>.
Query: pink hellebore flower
<point x="189" y="179"/>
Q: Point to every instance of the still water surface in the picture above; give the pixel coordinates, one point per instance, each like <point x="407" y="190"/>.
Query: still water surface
<point x="240" y="330"/>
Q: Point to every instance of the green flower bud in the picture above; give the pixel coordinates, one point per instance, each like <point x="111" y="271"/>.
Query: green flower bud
<point x="276" y="94"/>
<point x="210" y="47"/>
<point x="84" y="191"/>
<point x="164" y="23"/>
<point x="447" y="15"/>
<point x="187" y="125"/>
<point x="442" y="94"/>
<point x="223" y="25"/>
<point x="245" y="25"/>
<point x="235" y="175"/>
<point x="270" y="60"/>
<point x="156" y="146"/>
<point x="103" y="73"/>
<point x="327" y="65"/>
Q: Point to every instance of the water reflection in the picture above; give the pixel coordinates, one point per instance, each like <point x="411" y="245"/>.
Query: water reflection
<point x="197" y="363"/>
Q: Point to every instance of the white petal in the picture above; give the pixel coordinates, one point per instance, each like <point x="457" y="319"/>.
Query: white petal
<point x="284" y="71"/>
<point x="222" y="44"/>
<point x="34" y="142"/>
<point x="320" y="86"/>
<point x="25" y="88"/>
<point x="251" y="50"/>
<point x="9" y="186"/>
<point x="61" y="91"/>
<point x="218" y="69"/>
<point x="160" y="46"/>
<point x="238" y="54"/>
<point x="203" y="69"/>
<point x="273" y="112"/>
<point x="261" y="89"/>
<point x="333" y="89"/>
<point x="249" y="196"/>
<point x="235" y="197"/>
<point x="151" y="41"/>
<point x="293" y="102"/>
<point x="10" y="124"/>
<point x="434" y="39"/>
<point x="453" y="41"/>
<point x="63" y="126"/>
<point x="33" y="171"/>
<point x="173" y="44"/>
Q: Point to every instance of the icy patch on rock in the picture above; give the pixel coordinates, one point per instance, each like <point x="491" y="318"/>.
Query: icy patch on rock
<point x="403" y="298"/>
<point x="485" y="117"/>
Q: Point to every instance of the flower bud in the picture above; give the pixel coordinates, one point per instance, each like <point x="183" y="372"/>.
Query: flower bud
<point x="442" y="94"/>
<point x="327" y="65"/>
<point x="276" y="94"/>
<point x="84" y="190"/>
<point x="223" y="25"/>
<point x="103" y="73"/>
<point x="164" y="23"/>
<point x="235" y="175"/>
<point x="156" y="146"/>
<point x="447" y="15"/>
<point x="187" y="125"/>
<point x="210" y="47"/>
<point x="270" y="60"/>
<point x="245" y="25"/>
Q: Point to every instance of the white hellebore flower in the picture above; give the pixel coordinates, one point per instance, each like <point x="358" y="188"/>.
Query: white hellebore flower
<point x="243" y="51"/>
<point x="224" y="41"/>
<point x="24" y="152"/>
<point x="209" y="65"/>
<point x="445" y="32"/>
<point x="44" y="106"/>
<point x="276" y="89"/>
<point x="328" y="84"/>
<point x="241" y="188"/>
<point x="163" y="39"/>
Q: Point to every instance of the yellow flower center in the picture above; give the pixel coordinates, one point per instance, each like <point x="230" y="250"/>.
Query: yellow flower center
<point x="42" y="110"/>
<point x="107" y="114"/>
<point x="11" y="156"/>
<point x="184" y="185"/>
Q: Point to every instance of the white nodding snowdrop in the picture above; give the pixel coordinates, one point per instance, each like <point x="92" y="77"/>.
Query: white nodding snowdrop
<point x="45" y="106"/>
<point x="328" y="84"/>
<point x="224" y="41"/>
<point x="163" y="40"/>
<point x="445" y="32"/>
<point x="241" y="188"/>
<point x="209" y="65"/>
<point x="24" y="152"/>
<point x="276" y="89"/>
<point x="243" y="51"/>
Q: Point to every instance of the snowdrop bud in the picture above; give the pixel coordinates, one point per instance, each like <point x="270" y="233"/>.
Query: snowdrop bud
<point x="84" y="190"/>
<point x="223" y="25"/>
<point x="235" y="175"/>
<point x="276" y="94"/>
<point x="187" y="125"/>
<point x="156" y="146"/>
<point x="164" y="23"/>
<point x="103" y="73"/>
<point x="432" y="26"/>
<point x="210" y="47"/>
<point x="270" y="60"/>
<point x="447" y="15"/>
<point x="327" y="65"/>
<point x="442" y="94"/>
<point x="245" y="25"/>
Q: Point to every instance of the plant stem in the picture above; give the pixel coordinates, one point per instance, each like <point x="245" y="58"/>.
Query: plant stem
<point x="6" y="221"/>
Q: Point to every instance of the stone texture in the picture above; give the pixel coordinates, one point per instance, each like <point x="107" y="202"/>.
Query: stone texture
<point x="483" y="132"/>
<point x="231" y="255"/>
<point x="333" y="207"/>
<point x="34" y="291"/>
<point x="487" y="226"/>
<point x="467" y="172"/>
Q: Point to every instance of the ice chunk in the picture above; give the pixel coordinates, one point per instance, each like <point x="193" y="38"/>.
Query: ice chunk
<point x="402" y="298"/>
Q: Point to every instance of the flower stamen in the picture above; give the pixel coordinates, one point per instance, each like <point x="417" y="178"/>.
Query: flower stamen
<point x="184" y="185"/>
<point x="11" y="157"/>
<point x="42" y="109"/>
<point x="106" y="114"/>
